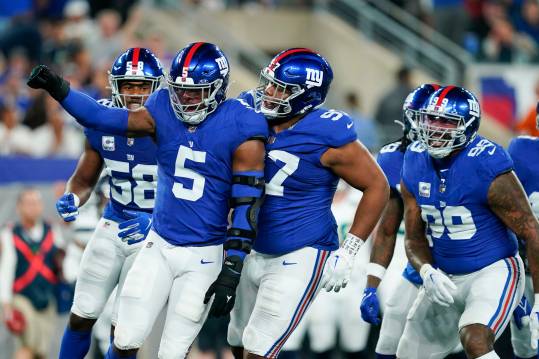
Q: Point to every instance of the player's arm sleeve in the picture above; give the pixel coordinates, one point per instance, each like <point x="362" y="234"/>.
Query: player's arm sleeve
<point x="392" y="173"/>
<point x="252" y="125"/>
<point x="8" y="263"/>
<point x="340" y="132"/>
<point x="89" y="113"/>
<point x="246" y="199"/>
<point x="492" y="166"/>
<point x="407" y="172"/>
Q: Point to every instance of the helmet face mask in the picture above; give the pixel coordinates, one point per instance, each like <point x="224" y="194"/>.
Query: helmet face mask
<point x="442" y="134"/>
<point x="274" y="96"/>
<point x="296" y="81"/>
<point x="197" y="81"/>
<point x="449" y="121"/>
<point x="124" y="72"/>
<point x="193" y="102"/>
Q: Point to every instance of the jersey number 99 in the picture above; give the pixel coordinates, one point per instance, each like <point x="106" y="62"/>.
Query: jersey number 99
<point x="457" y="221"/>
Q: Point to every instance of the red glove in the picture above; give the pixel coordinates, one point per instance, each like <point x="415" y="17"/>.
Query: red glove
<point x="15" y="322"/>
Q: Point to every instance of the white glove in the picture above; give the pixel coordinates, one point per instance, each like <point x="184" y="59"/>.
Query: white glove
<point x="437" y="285"/>
<point x="339" y="264"/>
<point x="534" y="323"/>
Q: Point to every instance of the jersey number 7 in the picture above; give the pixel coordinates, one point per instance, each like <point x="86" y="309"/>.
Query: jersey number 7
<point x="291" y="162"/>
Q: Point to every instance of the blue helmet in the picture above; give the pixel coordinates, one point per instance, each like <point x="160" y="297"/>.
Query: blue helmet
<point x="197" y="81"/>
<point x="295" y="81"/>
<point x="449" y="120"/>
<point x="136" y="64"/>
<point x="410" y="110"/>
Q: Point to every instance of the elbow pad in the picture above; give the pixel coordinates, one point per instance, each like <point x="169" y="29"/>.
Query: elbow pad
<point x="246" y="199"/>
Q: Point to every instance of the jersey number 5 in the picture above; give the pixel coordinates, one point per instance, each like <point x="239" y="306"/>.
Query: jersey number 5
<point x="197" y="190"/>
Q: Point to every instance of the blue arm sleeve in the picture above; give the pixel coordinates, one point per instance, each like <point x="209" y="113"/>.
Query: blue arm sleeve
<point x="89" y="113"/>
<point x="245" y="216"/>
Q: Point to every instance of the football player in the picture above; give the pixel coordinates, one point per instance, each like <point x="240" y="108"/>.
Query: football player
<point x="390" y="160"/>
<point x="210" y="151"/>
<point x="460" y="192"/>
<point x="130" y="164"/>
<point x="309" y="149"/>
<point x="331" y="312"/>
<point x="527" y="170"/>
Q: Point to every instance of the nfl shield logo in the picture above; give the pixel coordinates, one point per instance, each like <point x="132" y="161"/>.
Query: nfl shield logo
<point x="130" y="141"/>
<point x="107" y="143"/>
<point x="424" y="189"/>
<point x="271" y="139"/>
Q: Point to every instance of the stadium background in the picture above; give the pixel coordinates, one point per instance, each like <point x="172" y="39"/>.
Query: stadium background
<point x="379" y="50"/>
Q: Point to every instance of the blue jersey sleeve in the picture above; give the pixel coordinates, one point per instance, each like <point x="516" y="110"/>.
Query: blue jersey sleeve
<point x="408" y="171"/>
<point x="518" y="150"/>
<point x="251" y="124"/>
<point x="248" y="97"/>
<point x="494" y="161"/>
<point x="90" y="113"/>
<point x="390" y="160"/>
<point x="340" y="129"/>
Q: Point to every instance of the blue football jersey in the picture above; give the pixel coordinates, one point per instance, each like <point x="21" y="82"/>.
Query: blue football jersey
<point x="452" y="193"/>
<point x="195" y="168"/>
<point x="299" y="190"/>
<point x="524" y="151"/>
<point x="390" y="160"/>
<point x="131" y="166"/>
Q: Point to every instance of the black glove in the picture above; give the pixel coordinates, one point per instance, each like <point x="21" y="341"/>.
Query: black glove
<point x="224" y="287"/>
<point x="43" y="78"/>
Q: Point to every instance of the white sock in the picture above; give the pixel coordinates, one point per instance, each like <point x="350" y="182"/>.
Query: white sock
<point x="489" y="355"/>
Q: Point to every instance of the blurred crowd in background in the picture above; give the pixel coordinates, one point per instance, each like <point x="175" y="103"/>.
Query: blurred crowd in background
<point x="82" y="38"/>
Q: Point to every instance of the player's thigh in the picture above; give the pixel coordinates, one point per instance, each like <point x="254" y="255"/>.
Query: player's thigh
<point x="431" y="330"/>
<point x="186" y="310"/>
<point x="130" y="252"/>
<point x="520" y="338"/>
<point x="99" y="271"/>
<point x="288" y="287"/>
<point x="397" y="306"/>
<point x="492" y="295"/>
<point x="246" y="295"/>
<point x="145" y="292"/>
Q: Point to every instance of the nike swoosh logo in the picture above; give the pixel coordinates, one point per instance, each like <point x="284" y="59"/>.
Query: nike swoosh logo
<point x="285" y="263"/>
<point x="349" y="125"/>
<point x="202" y="261"/>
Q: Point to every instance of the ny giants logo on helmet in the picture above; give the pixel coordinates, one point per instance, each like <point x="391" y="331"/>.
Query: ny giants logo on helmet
<point x="314" y="78"/>
<point x="474" y="107"/>
<point x="223" y="65"/>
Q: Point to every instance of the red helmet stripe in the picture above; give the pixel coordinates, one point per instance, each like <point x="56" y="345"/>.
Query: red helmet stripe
<point x="189" y="57"/>
<point x="435" y="86"/>
<point x="444" y="93"/>
<point x="276" y="60"/>
<point x="134" y="62"/>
